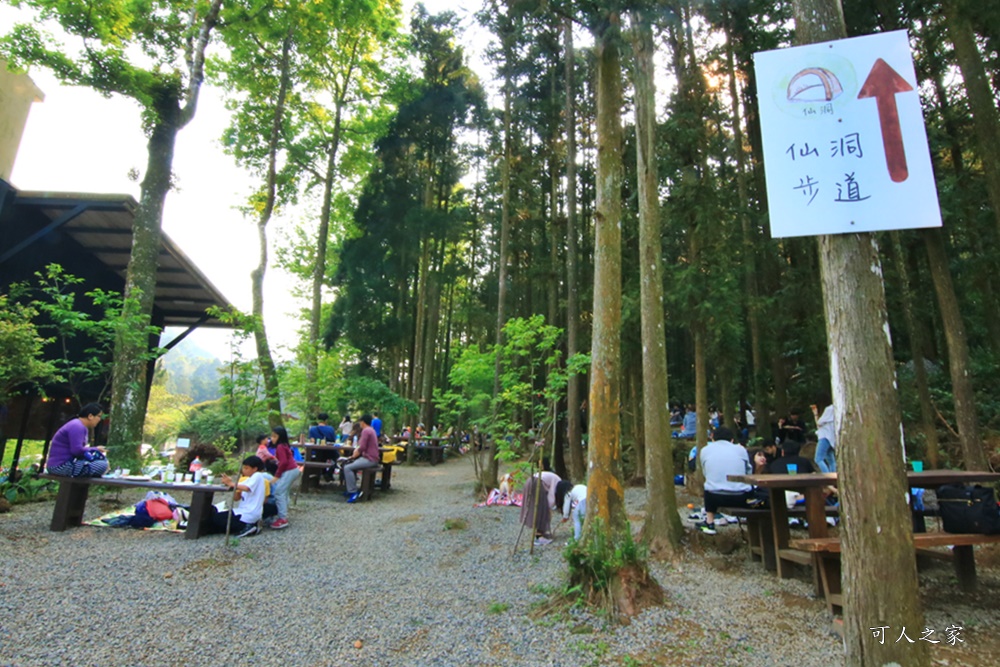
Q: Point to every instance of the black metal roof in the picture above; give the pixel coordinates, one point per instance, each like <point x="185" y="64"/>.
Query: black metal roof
<point x="101" y="226"/>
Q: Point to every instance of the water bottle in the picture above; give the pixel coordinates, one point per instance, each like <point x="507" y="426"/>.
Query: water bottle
<point x="195" y="468"/>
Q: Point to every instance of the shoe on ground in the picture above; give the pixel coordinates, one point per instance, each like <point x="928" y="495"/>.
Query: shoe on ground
<point x="278" y="524"/>
<point x="250" y="531"/>
<point x="353" y="498"/>
<point x="728" y="519"/>
<point x="707" y="528"/>
<point x="542" y="541"/>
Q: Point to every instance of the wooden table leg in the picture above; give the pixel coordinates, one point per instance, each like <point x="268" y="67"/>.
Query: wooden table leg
<point x="779" y="526"/>
<point x="965" y="566"/>
<point x="200" y="515"/>
<point x="816" y="518"/>
<point x="71" y="501"/>
<point x="386" y="476"/>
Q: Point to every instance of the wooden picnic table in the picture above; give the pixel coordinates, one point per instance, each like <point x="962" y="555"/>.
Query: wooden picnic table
<point x="817" y="549"/>
<point x="435" y="450"/>
<point x="71" y="500"/>
<point x="317" y="458"/>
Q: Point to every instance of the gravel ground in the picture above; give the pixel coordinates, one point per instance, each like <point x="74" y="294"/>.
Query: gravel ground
<point x="391" y="574"/>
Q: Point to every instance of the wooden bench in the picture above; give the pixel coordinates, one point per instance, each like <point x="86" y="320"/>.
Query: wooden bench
<point x="760" y="534"/>
<point x="828" y="549"/>
<point x="367" y="486"/>
<point x="71" y="500"/>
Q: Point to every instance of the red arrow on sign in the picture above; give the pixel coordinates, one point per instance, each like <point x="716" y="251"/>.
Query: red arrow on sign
<point x="883" y="83"/>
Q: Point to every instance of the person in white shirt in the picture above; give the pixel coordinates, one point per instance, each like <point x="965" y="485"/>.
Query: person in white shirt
<point x="573" y="500"/>
<point x="719" y="459"/>
<point x="249" y="506"/>
<point x="826" y="434"/>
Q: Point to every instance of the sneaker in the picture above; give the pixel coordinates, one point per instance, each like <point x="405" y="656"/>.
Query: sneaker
<point x="278" y="524"/>
<point x="697" y="516"/>
<point x="542" y="541"/>
<point x="249" y="531"/>
<point x="707" y="528"/>
<point x="353" y="498"/>
<point x="727" y="519"/>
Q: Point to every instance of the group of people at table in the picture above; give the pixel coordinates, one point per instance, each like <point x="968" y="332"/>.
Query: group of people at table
<point x="723" y="457"/>
<point x="261" y="492"/>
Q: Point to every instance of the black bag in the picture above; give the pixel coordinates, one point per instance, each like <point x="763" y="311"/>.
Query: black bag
<point x="966" y="509"/>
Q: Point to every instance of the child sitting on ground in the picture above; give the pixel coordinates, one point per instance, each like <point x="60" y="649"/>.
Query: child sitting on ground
<point x="249" y="505"/>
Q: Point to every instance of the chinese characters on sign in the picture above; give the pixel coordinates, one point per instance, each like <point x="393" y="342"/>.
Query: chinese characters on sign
<point x="952" y="635"/>
<point x="844" y="143"/>
<point x="847" y="191"/>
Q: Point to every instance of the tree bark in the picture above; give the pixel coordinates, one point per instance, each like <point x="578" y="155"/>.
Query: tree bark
<point x="958" y="351"/>
<point x="172" y="110"/>
<point x="982" y="103"/>
<point x="605" y="491"/>
<point x="927" y="419"/>
<point x="492" y="471"/>
<point x="128" y="384"/>
<point x="876" y="529"/>
<point x="272" y="393"/>
<point x="662" y="529"/>
<point x="574" y="435"/>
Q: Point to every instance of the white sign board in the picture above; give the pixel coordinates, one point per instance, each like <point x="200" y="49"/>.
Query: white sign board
<point x="845" y="149"/>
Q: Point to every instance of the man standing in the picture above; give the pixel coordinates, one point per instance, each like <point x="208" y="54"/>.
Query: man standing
<point x="719" y="459"/>
<point x="377" y="425"/>
<point x="322" y="431"/>
<point x="365" y="456"/>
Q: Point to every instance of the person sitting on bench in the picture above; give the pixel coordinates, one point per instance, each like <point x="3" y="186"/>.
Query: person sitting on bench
<point x="249" y="506"/>
<point x="790" y="457"/>
<point x="719" y="459"/>
<point x="69" y="454"/>
<point x="365" y="456"/>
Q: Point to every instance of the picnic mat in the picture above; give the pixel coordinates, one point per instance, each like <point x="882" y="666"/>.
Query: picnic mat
<point x="495" y="498"/>
<point x="169" y="526"/>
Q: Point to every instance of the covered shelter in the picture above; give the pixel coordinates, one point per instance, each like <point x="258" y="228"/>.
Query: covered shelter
<point x="90" y="237"/>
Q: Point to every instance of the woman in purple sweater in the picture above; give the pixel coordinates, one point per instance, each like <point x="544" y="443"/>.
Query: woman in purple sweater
<point x="69" y="454"/>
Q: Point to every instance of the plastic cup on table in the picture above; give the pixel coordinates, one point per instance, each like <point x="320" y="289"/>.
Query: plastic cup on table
<point x="918" y="466"/>
<point x="793" y="468"/>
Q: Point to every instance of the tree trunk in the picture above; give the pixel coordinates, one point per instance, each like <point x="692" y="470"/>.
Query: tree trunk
<point x="927" y="420"/>
<point x="662" y="529"/>
<point x="128" y="389"/>
<point x="752" y="293"/>
<point x="319" y="274"/>
<point x="876" y="528"/>
<point x="503" y="274"/>
<point x="272" y="393"/>
<point x="605" y="494"/>
<point x="982" y="103"/>
<point x="573" y="401"/>
<point x="958" y="351"/>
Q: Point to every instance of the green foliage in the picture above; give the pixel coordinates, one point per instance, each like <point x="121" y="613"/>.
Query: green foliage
<point x="21" y="349"/>
<point x="26" y="488"/>
<point x="532" y="378"/>
<point x="497" y="607"/>
<point x="85" y="333"/>
<point x="594" y="561"/>
<point x="165" y="412"/>
<point x="455" y="524"/>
